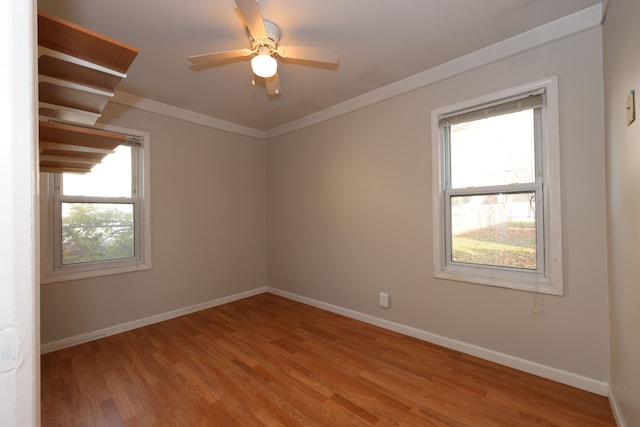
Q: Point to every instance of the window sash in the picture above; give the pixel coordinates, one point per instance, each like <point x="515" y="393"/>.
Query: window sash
<point x="512" y="189"/>
<point x="511" y="105"/>
<point x="59" y="198"/>
<point x="552" y="281"/>
<point x="104" y="259"/>
<point x="49" y="196"/>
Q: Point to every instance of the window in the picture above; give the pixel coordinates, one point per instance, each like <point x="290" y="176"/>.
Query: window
<point x="99" y="221"/>
<point x="497" y="192"/>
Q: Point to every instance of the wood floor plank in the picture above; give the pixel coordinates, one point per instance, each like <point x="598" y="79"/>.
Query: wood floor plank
<point x="269" y="361"/>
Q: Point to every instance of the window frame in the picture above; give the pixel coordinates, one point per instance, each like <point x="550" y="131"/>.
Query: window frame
<point x="51" y="259"/>
<point x="549" y="278"/>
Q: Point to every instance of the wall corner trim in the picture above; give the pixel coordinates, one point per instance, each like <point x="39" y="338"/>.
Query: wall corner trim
<point x="130" y="100"/>
<point x="615" y="407"/>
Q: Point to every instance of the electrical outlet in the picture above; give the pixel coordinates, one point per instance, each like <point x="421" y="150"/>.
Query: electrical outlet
<point x="383" y="299"/>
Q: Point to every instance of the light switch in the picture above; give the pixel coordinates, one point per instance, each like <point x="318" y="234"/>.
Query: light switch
<point x="383" y="299"/>
<point x="631" y="107"/>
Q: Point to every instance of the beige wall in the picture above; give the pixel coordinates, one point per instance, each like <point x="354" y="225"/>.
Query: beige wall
<point x="350" y="215"/>
<point x="208" y="230"/>
<point x="622" y="73"/>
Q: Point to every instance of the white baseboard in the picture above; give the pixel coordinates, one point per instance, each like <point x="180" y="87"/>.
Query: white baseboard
<point x="615" y="407"/>
<point x="565" y="377"/>
<point x="561" y="376"/>
<point x="113" y="330"/>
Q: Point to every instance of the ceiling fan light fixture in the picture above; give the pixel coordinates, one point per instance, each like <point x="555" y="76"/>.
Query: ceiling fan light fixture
<point x="264" y="65"/>
<point x="264" y="39"/>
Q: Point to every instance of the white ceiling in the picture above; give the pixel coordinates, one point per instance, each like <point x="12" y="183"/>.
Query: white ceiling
<point x="380" y="42"/>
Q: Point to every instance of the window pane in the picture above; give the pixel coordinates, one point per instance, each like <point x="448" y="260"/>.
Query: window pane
<point x="96" y="232"/>
<point x="494" y="229"/>
<point x="111" y="178"/>
<point x="494" y="151"/>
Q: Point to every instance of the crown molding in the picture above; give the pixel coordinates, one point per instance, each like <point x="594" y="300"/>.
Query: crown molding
<point x="152" y="106"/>
<point x="571" y="24"/>
<point x="577" y="22"/>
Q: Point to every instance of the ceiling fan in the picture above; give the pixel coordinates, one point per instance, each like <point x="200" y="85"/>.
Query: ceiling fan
<point x="264" y="38"/>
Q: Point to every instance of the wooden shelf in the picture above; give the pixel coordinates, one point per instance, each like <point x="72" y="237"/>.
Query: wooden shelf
<point x="77" y="99"/>
<point x="71" y="148"/>
<point x="64" y="71"/>
<point x="71" y="39"/>
<point x="78" y="71"/>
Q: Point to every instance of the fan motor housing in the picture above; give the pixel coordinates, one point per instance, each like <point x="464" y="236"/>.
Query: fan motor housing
<point x="273" y="37"/>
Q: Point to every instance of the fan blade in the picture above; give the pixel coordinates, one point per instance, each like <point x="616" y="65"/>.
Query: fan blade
<point x="315" y="54"/>
<point x="273" y="85"/>
<point x="219" y="56"/>
<point x="250" y="11"/>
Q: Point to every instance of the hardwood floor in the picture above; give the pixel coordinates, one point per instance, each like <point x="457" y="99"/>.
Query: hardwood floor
<point x="269" y="361"/>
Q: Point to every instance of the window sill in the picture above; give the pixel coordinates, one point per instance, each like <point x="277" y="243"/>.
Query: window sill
<point x="500" y="279"/>
<point x="77" y="273"/>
